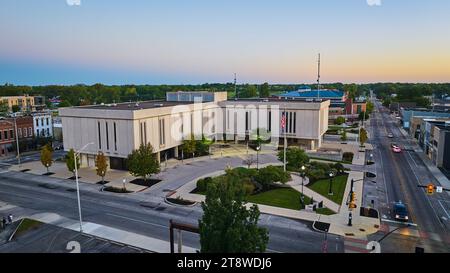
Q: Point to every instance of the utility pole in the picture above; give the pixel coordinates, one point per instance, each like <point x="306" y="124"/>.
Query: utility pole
<point x="235" y="87"/>
<point x="17" y="141"/>
<point x="283" y="125"/>
<point x="318" y="79"/>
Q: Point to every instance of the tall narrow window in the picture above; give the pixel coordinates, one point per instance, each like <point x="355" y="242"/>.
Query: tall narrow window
<point x="37" y="132"/>
<point x="145" y="132"/>
<point x="11" y="134"/>
<point x="295" y="122"/>
<point x="228" y="119"/>
<point x="30" y="132"/>
<point x="270" y="121"/>
<point x="107" y="136"/>
<point x="99" y="136"/>
<point x="246" y="121"/>
<point x="162" y="140"/>
<point x="115" y="137"/>
<point x="141" y="133"/>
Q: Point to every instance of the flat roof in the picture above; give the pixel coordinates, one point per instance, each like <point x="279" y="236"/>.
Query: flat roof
<point x="135" y="105"/>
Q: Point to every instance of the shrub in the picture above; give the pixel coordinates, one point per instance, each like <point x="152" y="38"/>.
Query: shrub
<point x="202" y="183"/>
<point x="347" y="156"/>
<point x="271" y="174"/>
<point x="315" y="174"/>
<point x="339" y="120"/>
<point x="249" y="187"/>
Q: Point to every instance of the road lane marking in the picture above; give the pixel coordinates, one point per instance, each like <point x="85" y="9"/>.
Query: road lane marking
<point x="398" y="222"/>
<point x="137" y="220"/>
<point x="384" y="178"/>
<point x="426" y="197"/>
<point x="439" y="201"/>
<point x="417" y="166"/>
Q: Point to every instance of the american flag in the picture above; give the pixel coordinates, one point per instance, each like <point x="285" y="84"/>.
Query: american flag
<point x="283" y="121"/>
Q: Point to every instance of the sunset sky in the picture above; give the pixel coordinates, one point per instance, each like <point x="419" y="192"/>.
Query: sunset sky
<point x="198" y="41"/>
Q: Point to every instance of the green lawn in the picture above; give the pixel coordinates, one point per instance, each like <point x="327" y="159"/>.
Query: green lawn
<point x="281" y="197"/>
<point x="26" y="225"/>
<point x="338" y="188"/>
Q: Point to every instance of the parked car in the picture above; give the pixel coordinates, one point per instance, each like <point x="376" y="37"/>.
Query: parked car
<point x="394" y="145"/>
<point x="390" y="135"/>
<point x="400" y="212"/>
<point x="396" y="149"/>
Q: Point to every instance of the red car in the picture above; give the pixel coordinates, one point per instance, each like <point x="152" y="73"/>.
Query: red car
<point x="396" y="149"/>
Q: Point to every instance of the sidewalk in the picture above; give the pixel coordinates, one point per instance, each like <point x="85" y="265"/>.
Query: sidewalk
<point x="437" y="174"/>
<point x="109" y="233"/>
<point x="362" y="226"/>
<point x="296" y="184"/>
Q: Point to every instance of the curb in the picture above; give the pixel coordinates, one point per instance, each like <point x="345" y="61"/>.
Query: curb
<point x="15" y="230"/>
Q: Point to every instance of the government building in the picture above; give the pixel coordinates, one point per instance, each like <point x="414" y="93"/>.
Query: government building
<point x="118" y="129"/>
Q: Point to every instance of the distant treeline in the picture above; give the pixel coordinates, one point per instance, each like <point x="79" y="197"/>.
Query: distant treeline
<point x="99" y="93"/>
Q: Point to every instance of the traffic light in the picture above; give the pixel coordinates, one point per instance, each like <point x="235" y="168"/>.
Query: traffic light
<point x="353" y="197"/>
<point x="430" y="189"/>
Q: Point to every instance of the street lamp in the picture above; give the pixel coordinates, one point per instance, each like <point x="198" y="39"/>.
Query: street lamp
<point x="303" y="168"/>
<point x="257" y="156"/>
<point x="330" y="192"/>
<point x="78" y="186"/>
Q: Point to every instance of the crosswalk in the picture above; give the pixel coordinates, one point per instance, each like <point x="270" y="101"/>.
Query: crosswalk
<point x="352" y="245"/>
<point x="362" y="245"/>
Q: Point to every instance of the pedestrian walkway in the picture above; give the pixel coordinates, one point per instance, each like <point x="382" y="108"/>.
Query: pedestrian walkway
<point x="352" y="245"/>
<point x="296" y="184"/>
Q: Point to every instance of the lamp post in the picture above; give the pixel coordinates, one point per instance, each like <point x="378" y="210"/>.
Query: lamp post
<point x="303" y="168"/>
<point x="330" y="192"/>
<point x="78" y="186"/>
<point x="17" y="140"/>
<point x="257" y="156"/>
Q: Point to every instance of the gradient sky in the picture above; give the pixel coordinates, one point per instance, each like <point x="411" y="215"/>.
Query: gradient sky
<point x="198" y="41"/>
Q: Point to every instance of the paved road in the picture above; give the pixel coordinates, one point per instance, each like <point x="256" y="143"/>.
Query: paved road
<point x="31" y="157"/>
<point x="400" y="175"/>
<point x="146" y="215"/>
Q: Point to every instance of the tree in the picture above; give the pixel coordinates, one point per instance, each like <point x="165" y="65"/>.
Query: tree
<point x="363" y="136"/>
<point x="227" y="226"/>
<point x="295" y="158"/>
<point x="70" y="161"/>
<point x="101" y="165"/>
<point x="344" y="135"/>
<point x="369" y="107"/>
<point x="4" y="108"/>
<point x="142" y="162"/>
<point x="271" y="174"/>
<point x="46" y="156"/>
<point x="15" y="108"/>
<point x="339" y="120"/>
<point x="264" y="91"/>
<point x="362" y="114"/>
<point x="189" y="145"/>
<point x="250" y="91"/>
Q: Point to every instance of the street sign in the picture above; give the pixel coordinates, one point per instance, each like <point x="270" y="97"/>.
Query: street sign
<point x="439" y="189"/>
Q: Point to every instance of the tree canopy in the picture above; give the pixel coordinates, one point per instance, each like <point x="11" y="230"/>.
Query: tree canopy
<point x="227" y="226"/>
<point x="143" y="162"/>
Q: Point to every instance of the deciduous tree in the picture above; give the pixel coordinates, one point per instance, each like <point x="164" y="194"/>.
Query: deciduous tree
<point x="101" y="165"/>
<point x="142" y="162"/>
<point x="46" y="156"/>
<point x="227" y="226"/>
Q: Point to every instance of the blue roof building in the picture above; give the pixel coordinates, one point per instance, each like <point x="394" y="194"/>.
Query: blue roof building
<point x="308" y="94"/>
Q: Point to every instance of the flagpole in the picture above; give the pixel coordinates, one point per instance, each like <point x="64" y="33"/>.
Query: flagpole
<point x="285" y="141"/>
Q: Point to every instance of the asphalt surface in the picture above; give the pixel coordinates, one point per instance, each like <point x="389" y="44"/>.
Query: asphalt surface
<point x="35" y="194"/>
<point x="399" y="177"/>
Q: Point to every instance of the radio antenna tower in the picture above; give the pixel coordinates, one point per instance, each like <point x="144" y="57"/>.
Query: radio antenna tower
<point x="235" y="87"/>
<point x="318" y="79"/>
